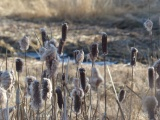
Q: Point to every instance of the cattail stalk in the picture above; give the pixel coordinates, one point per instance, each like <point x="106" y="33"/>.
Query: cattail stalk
<point x="105" y="52"/>
<point x="65" y="89"/>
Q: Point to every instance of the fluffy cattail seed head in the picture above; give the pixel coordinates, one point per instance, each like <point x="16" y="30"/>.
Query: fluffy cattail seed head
<point x="49" y="54"/>
<point x="158" y="97"/>
<point x="82" y="78"/>
<point x="3" y="97"/>
<point x="77" y="91"/>
<point x="151" y="77"/>
<point x="122" y="95"/>
<point x="24" y="43"/>
<point x="156" y="66"/>
<point x="36" y="95"/>
<point x="79" y="57"/>
<point x="28" y="82"/>
<point x="158" y="83"/>
<point x="77" y="103"/>
<point x="42" y="50"/>
<point x="148" y="24"/>
<point x="46" y="89"/>
<point x="76" y="82"/>
<point x="104" y="43"/>
<point x="59" y="97"/>
<point x="94" y="51"/>
<point x="52" y="41"/>
<point x="44" y="35"/>
<point x="64" y="31"/>
<point x="61" y="45"/>
<point x="7" y="80"/>
<point x="19" y="65"/>
<point x="96" y="78"/>
<point x="149" y="104"/>
<point x="44" y="74"/>
<point x="134" y="52"/>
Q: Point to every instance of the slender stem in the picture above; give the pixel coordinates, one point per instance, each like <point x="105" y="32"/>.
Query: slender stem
<point x="130" y="109"/>
<point x="105" y="93"/>
<point x="117" y="114"/>
<point x="7" y="108"/>
<point x="76" y="117"/>
<point x="45" y="110"/>
<point x="38" y="39"/>
<point x="18" y="107"/>
<point x="6" y="59"/>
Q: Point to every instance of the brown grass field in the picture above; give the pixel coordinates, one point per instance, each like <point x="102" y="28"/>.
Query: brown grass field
<point x="122" y="20"/>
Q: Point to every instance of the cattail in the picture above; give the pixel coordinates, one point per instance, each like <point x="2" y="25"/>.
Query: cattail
<point x="46" y="89"/>
<point x="134" y="52"/>
<point x="148" y="24"/>
<point x="82" y="78"/>
<point x="44" y="35"/>
<point x="79" y="57"/>
<point x="52" y="68"/>
<point x="64" y="31"/>
<point x="50" y="53"/>
<point x="77" y="103"/>
<point x="3" y="97"/>
<point x="158" y="97"/>
<point x="122" y="95"/>
<point x="18" y="97"/>
<point x="3" y="113"/>
<point x="156" y="66"/>
<point x="28" y="82"/>
<point x="44" y="74"/>
<point x="59" y="97"/>
<point x="7" y="80"/>
<point x="42" y="51"/>
<point x="52" y="41"/>
<point x="24" y="43"/>
<point x="104" y="43"/>
<point x="36" y="95"/>
<point x="158" y="83"/>
<point x="60" y="47"/>
<point x="94" y="51"/>
<point x="75" y="53"/>
<point x="76" y="82"/>
<point x="19" y="65"/>
<point x="151" y="77"/>
<point x="149" y="104"/>
<point x="96" y="78"/>
<point x="77" y="91"/>
<point x="63" y="76"/>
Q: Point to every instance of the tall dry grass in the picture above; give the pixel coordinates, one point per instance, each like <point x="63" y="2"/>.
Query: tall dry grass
<point x="73" y="9"/>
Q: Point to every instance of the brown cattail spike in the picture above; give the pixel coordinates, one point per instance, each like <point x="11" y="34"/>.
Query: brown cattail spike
<point x="64" y="31"/>
<point x="59" y="97"/>
<point x="77" y="103"/>
<point x="83" y="78"/>
<point x="46" y="89"/>
<point x="44" y="36"/>
<point x="134" y="52"/>
<point x="19" y="65"/>
<point x="63" y="77"/>
<point x="121" y="96"/>
<point x="61" y="45"/>
<point x="104" y="43"/>
<point x="94" y="50"/>
<point x="151" y="77"/>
